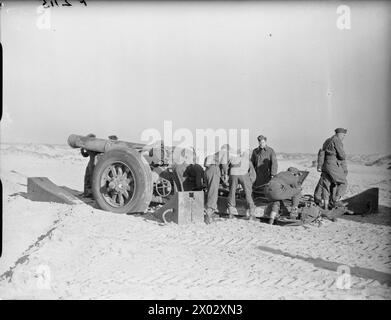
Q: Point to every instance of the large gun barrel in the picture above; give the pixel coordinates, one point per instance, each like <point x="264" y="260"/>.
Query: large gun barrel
<point x="100" y="145"/>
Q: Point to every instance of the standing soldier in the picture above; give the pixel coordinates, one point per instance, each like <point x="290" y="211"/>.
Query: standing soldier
<point x="265" y="162"/>
<point x="89" y="169"/>
<point x="240" y="173"/>
<point x="216" y="168"/>
<point x="323" y="188"/>
<point x="334" y="169"/>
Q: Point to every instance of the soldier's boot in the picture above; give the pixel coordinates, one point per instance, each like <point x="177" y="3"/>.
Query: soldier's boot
<point x="215" y="215"/>
<point x="250" y="215"/>
<point x="340" y="203"/>
<point x="329" y="215"/>
<point x="208" y="218"/>
<point x="232" y="212"/>
<point x="294" y="213"/>
<point x="273" y="216"/>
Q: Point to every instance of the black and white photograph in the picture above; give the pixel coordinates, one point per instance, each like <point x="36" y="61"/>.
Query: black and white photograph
<point x="195" y="150"/>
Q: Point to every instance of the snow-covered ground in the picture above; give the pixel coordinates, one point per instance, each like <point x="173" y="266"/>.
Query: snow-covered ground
<point x="60" y="251"/>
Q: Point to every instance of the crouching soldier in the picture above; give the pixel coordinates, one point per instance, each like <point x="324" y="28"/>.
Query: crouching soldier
<point x="190" y="173"/>
<point x="196" y="172"/>
<point x="284" y="186"/>
<point x="241" y="173"/>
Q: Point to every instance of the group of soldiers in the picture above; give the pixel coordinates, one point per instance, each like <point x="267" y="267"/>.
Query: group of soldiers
<point x="258" y="171"/>
<point x="238" y="168"/>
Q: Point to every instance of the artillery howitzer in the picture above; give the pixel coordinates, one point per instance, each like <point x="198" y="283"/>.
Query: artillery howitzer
<point x="129" y="176"/>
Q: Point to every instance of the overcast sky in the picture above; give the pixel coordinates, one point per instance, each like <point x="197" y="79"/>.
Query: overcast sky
<point x="283" y="70"/>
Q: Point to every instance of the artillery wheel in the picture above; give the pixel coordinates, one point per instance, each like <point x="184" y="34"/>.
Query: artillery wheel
<point x="122" y="182"/>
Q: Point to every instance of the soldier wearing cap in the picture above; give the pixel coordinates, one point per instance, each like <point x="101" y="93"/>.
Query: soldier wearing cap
<point x="284" y="186"/>
<point x="265" y="162"/>
<point x="89" y="169"/>
<point x="333" y="183"/>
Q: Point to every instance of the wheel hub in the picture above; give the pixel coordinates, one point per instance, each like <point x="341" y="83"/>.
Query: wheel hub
<point x="119" y="183"/>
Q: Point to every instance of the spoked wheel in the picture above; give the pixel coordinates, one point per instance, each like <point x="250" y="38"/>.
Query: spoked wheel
<point x="122" y="182"/>
<point x="163" y="187"/>
<point x="117" y="184"/>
